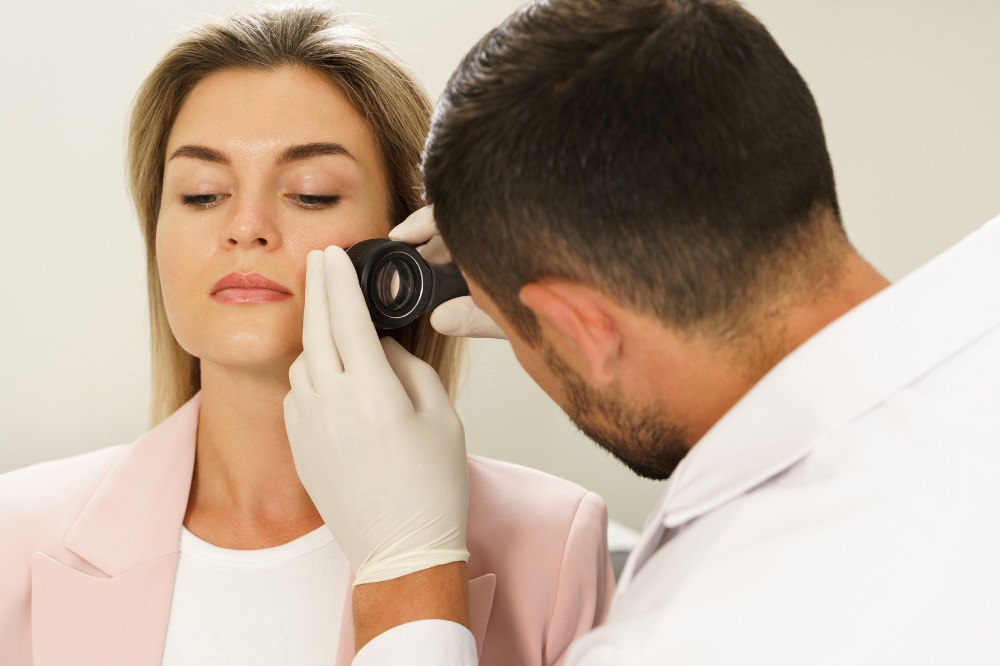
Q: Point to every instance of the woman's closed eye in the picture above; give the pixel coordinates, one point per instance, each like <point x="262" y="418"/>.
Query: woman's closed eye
<point x="314" y="201"/>
<point x="202" y="201"/>
<point x="310" y="201"/>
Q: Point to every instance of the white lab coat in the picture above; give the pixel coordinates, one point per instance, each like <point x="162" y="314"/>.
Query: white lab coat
<point x="845" y="511"/>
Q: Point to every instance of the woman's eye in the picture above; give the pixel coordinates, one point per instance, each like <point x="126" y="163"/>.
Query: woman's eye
<point x="202" y="200"/>
<point x="314" y="200"/>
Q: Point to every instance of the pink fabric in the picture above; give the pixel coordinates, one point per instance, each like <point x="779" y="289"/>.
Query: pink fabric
<point x="88" y="554"/>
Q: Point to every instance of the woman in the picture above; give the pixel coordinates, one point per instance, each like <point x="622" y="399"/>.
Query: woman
<point x="252" y="142"/>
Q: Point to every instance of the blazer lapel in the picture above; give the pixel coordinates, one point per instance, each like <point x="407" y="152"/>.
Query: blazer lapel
<point x="481" y="590"/>
<point x="78" y="618"/>
<point x="113" y="607"/>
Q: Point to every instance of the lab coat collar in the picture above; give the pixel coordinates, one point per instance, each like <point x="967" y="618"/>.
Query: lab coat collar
<point x="847" y="368"/>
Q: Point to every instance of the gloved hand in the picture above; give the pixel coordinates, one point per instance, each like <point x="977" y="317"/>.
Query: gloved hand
<point x="375" y="439"/>
<point x="459" y="316"/>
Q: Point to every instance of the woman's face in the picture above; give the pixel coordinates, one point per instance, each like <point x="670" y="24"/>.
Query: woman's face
<point x="261" y="168"/>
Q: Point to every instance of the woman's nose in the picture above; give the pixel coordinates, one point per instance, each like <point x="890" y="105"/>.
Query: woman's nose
<point x="252" y="226"/>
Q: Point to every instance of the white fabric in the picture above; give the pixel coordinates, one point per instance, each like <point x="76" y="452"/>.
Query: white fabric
<point x="845" y="510"/>
<point x="423" y="643"/>
<point x="279" y="605"/>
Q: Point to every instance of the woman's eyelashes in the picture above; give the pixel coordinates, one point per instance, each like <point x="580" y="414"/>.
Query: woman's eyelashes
<point x="202" y="201"/>
<point x="309" y="201"/>
<point x="314" y="201"/>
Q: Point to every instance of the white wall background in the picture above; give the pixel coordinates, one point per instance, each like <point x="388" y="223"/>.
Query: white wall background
<point x="909" y="91"/>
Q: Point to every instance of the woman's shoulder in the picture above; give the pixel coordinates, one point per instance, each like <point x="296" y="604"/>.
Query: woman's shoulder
<point x="510" y="499"/>
<point x="545" y="540"/>
<point x="498" y="482"/>
<point x="43" y="491"/>
<point x="39" y="505"/>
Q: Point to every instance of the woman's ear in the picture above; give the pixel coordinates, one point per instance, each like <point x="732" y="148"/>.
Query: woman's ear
<point x="580" y="324"/>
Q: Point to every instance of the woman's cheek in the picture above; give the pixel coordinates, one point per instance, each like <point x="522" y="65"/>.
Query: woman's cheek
<point x="167" y="259"/>
<point x="173" y="260"/>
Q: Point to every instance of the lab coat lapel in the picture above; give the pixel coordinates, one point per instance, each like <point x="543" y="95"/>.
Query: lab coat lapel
<point x="481" y="591"/>
<point x="113" y="607"/>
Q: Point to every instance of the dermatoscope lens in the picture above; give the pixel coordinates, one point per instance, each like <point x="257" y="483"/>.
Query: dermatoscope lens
<point x="398" y="284"/>
<point x="395" y="284"/>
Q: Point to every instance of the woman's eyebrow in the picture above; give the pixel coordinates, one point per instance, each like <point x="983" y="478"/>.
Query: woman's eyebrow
<point x="307" y="150"/>
<point x="291" y="154"/>
<point x="200" y="153"/>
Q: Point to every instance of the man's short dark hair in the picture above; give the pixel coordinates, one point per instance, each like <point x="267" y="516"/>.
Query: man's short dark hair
<point x="664" y="151"/>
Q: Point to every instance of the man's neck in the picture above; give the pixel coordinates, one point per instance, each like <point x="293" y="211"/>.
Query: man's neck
<point x="697" y="380"/>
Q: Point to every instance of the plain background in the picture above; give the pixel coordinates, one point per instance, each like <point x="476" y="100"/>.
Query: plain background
<point x="909" y="91"/>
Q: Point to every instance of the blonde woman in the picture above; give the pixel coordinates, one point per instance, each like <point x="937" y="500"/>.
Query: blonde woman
<point x="254" y="141"/>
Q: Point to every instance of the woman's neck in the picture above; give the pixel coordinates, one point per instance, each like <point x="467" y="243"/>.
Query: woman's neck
<point x="245" y="492"/>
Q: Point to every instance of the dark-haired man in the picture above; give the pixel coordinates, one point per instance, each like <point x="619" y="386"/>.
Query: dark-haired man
<point x="640" y="196"/>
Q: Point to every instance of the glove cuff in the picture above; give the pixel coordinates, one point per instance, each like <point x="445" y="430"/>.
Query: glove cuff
<point x="406" y="563"/>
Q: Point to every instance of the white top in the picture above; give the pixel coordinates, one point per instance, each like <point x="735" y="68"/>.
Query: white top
<point x="845" y="511"/>
<point x="280" y="605"/>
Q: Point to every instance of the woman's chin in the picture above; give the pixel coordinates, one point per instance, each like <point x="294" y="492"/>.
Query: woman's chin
<point x="251" y="355"/>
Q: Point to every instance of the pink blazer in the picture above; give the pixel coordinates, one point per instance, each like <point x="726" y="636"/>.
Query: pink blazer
<point x="89" y="545"/>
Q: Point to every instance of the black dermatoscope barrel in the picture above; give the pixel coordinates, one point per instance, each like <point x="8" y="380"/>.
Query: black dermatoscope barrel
<point x="399" y="285"/>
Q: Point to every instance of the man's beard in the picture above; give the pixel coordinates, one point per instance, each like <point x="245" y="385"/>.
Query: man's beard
<point x="638" y="437"/>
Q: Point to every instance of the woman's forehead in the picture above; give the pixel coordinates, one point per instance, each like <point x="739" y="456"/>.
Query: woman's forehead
<point x="263" y="112"/>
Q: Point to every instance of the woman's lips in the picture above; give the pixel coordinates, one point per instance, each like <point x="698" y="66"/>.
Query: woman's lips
<point x="249" y="288"/>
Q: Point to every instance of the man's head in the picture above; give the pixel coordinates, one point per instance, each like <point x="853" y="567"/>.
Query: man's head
<point x="663" y="153"/>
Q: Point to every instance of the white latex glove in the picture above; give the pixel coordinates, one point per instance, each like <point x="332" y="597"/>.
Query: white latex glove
<point x="459" y="316"/>
<point x="376" y="441"/>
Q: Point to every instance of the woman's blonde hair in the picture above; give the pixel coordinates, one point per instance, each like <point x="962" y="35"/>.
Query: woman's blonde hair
<point x="379" y="87"/>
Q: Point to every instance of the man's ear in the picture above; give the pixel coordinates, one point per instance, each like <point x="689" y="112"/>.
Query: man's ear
<point x="581" y="321"/>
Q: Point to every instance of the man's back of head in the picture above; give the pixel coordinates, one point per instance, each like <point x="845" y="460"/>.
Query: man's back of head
<point x="665" y="152"/>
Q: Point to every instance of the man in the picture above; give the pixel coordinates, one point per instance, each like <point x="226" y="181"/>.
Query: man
<point x="640" y="196"/>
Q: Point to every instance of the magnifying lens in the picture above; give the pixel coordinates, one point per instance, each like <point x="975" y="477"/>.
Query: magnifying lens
<point x="399" y="285"/>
